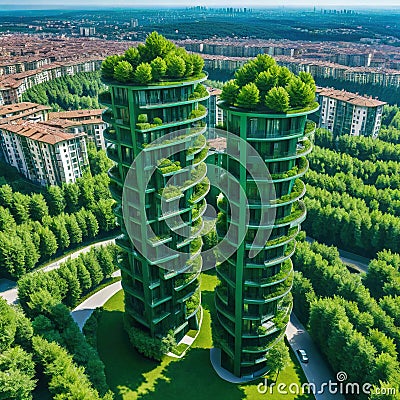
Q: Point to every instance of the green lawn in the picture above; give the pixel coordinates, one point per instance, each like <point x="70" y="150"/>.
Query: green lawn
<point x="132" y="376"/>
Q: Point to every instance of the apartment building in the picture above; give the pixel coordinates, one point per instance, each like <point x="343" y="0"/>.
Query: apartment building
<point x="215" y="114"/>
<point x="44" y="154"/>
<point x="89" y="121"/>
<point x="23" y="111"/>
<point x="349" y="113"/>
<point x="12" y="87"/>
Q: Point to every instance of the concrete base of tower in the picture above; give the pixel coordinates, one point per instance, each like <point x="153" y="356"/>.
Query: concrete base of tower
<point x="215" y="358"/>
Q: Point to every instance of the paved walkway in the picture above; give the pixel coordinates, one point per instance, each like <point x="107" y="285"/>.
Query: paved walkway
<point x="83" y="312"/>
<point x="316" y="370"/>
<point x="9" y="290"/>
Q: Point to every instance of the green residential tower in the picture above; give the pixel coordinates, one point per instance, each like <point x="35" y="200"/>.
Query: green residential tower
<point x="253" y="299"/>
<point x="154" y="91"/>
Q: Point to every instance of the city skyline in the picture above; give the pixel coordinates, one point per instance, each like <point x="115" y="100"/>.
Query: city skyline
<point x="212" y="4"/>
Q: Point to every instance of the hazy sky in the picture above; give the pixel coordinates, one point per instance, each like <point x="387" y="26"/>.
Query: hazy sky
<point x="210" y="3"/>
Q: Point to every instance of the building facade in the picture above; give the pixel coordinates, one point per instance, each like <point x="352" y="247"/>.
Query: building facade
<point x="43" y="154"/>
<point x="345" y="113"/>
<point x="215" y="115"/>
<point x="89" y="121"/>
<point x="253" y="299"/>
<point x="161" y="287"/>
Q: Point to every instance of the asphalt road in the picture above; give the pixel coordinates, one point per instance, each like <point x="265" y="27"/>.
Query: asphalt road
<point x="316" y="370"/>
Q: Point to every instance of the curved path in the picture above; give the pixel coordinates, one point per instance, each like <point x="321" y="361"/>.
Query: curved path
<point x="84" y="310"/>
<point x="9" y="290"/>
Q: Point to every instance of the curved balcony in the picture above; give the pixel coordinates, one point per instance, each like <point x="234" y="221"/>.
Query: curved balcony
<point x="274" y="261"/>
<point x="172" y="102"/>
<point x="110" y="135"/>
<point x="303" y="148"/>
<point x="191" y="132"/>
<point x="263" y="136"/>
<point x="198" y="145"/>
<point x="281" y="276"/>
<point x="172" y="124"/>
<point x="199" y="212"/>
<point x="114" y="175"/>
<point x="282" y="291"/>
<point x="200" y="191"/>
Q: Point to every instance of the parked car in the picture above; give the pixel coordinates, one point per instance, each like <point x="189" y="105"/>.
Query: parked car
<point x="302" y="355"/>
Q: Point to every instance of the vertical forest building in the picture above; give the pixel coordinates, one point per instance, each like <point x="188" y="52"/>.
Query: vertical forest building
<point x="253" y="299"/>
<point x="162" y="205"/>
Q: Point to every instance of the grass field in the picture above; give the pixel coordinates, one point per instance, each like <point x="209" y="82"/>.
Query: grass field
<point x="132" y="376"/>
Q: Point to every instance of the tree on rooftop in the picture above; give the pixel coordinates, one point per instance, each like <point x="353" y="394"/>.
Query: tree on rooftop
<point x="108" y="65"/>
<point x="249" y="96"/>
<point x="230" y="92"/>
<point x="155" y="46"/>
<point x="143" y="73"/>
<point x="308" y="79"/>
<point x="263" y="62"/>
<point x="300" y="93"/>
<point x="198" y="63"/>
<point x="284" y="76"/>
<point x="265" y="81"/>
<point x="246" y="74"/>
<point x="175" y="66"/>
<point x="277" y="99"/>
<point x="123" y="71"/>
<point x="132" y="56"/>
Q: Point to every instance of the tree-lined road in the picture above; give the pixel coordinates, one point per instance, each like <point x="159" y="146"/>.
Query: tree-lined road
<point x="9" y="290"/>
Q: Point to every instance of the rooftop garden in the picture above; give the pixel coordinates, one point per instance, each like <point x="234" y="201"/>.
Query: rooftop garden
<point x="157" y="60"/>
<point x="262" y="85"/>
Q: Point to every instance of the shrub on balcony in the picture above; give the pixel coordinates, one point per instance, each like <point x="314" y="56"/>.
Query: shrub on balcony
<point x="230" y="92"/>
<point x="157" y="121"/>
<point x="195" y="245"/>
<point x="150" y="347"/>
<point x="142" y="118"/>
<point x="166" y="166"/>
<point x="170" y="191"/>
<point x="192" y="304"/>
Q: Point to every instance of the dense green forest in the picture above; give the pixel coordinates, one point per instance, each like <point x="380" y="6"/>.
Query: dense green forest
<point x="67" y="92"/>
<point x="351" y="316"/>
<point x="35" y="227"/>
<point x="353" y="190"/>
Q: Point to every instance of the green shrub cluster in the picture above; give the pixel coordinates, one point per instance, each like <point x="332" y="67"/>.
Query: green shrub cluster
<point x="261" y="83"/>
<point x="156" y="60"/>
<point x="72" y="280"/>
<point x="150" y="347"/>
